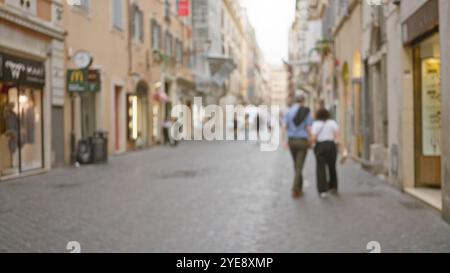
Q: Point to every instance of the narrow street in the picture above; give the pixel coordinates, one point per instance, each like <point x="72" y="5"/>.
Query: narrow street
<point x="210" y="197"/>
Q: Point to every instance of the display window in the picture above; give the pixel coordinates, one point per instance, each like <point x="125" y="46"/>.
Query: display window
<point x="431" y="106"/>
<point x="137" y="105"/>
<point x="21" y="129"/>
<point x="427" y="78"/>
<point x="137" y="119"/>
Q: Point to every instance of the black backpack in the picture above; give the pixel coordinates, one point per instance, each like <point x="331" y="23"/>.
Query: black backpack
<point x="301" y="115"/>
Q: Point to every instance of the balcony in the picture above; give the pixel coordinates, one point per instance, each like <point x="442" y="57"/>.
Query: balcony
<point x="316" y="9"/>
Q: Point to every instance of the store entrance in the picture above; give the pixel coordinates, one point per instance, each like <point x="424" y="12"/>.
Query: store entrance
<point x="427" y="113"/>
<point x="21" y="131"/>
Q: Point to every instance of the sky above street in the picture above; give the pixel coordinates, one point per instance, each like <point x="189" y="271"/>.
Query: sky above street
<point x="271" y="20"/>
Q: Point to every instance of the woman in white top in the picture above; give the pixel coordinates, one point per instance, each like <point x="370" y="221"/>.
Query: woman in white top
<point x="325" y="136"/>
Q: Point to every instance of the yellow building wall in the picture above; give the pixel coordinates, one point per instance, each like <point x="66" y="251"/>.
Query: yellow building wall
<point x="349" y="31"/>
<point x="94" y="32"/>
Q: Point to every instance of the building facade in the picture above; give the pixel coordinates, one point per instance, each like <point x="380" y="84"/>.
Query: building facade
<point x="234" y="47"/>
<point x="349" y="73"/>
<point x="279" y="91"/>
<point x="422" y="109"/>
<point x="31" y="86"/>
<point x="105" y="109"/>
<point x="144" y="72"/>
<point x="253" y="85"/>
<point x="393" y="90"/>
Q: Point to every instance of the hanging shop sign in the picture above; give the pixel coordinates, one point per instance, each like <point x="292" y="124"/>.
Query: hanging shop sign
<point x="422" y="22"/>
<point x="21" y="71"/>
<point x="94" y="80"/>
<point x="183" y="8"/>
<point x="76" y="80"/>
<point x="82" y="80"/>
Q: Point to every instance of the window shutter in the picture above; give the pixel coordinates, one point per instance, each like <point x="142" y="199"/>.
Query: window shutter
<point x="160" y="39"/>
<point x="153" y="33"/>
<point x="133" y="20"/>
<point x="117" y="14"/>
<point x="141" y="25"/>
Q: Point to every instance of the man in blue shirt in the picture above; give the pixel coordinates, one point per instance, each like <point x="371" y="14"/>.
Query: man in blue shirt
<point x="298" y="141"/>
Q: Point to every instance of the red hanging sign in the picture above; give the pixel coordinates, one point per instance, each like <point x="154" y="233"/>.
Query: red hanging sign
<point x="183" y="8"/>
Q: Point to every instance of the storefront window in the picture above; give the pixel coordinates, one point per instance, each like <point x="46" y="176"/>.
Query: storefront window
<point x="30" y="107"/>
<point x="138" y="116"/>
<point x="20" y="129"/>
<point x="431" y="98"/>
<point x="9" y="130"/>
<point x="143" y="121"/>
<point x="155" y="121"/>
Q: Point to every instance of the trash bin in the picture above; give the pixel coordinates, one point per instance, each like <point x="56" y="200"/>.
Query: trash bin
<point x="100" y="147"/>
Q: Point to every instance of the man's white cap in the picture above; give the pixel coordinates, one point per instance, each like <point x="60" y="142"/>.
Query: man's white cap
<point x="299" y="95"/>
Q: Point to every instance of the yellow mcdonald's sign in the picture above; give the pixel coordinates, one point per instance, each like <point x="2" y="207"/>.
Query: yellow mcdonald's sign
<point x="77" y="80"/>
<point x="77" y="76"/>
<point x="83" y="80"/>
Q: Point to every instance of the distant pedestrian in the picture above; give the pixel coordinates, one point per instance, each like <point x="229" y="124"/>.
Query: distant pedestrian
<point x="166" y="125"/>
<point x="325" y="136"/>
<point x="297" y="123"/>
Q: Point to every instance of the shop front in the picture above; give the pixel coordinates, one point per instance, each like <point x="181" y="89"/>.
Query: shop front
<point x="22" y="84"/>
<point x="424" y="42"/>
<point x="428" y="112"/>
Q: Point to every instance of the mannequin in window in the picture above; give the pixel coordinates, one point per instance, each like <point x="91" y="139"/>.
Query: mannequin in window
<point x="28" y="121"/>
<point x="12" y="127"/>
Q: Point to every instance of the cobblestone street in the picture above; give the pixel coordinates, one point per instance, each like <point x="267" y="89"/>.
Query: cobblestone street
<point x="210" y="197"/>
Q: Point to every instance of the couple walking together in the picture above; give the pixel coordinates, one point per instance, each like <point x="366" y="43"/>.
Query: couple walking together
<point x="321" y="133"/>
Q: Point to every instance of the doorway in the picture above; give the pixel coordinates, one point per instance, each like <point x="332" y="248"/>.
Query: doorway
<point x="88" y="116"/>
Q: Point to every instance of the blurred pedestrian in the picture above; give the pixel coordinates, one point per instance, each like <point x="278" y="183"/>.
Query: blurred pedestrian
<point x="325" y="136"/>
<point x="166" y="125"/>
<point x="297" y="123"/>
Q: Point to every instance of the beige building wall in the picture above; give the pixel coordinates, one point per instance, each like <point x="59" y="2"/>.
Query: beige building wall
<point x="147" y="64"/>
<point x="127" y="61"/>
<point x="92" y="30"/>
<point x="348" y="28"/>
<point x="266" y="83"/>
<point x="279" y="86"/>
